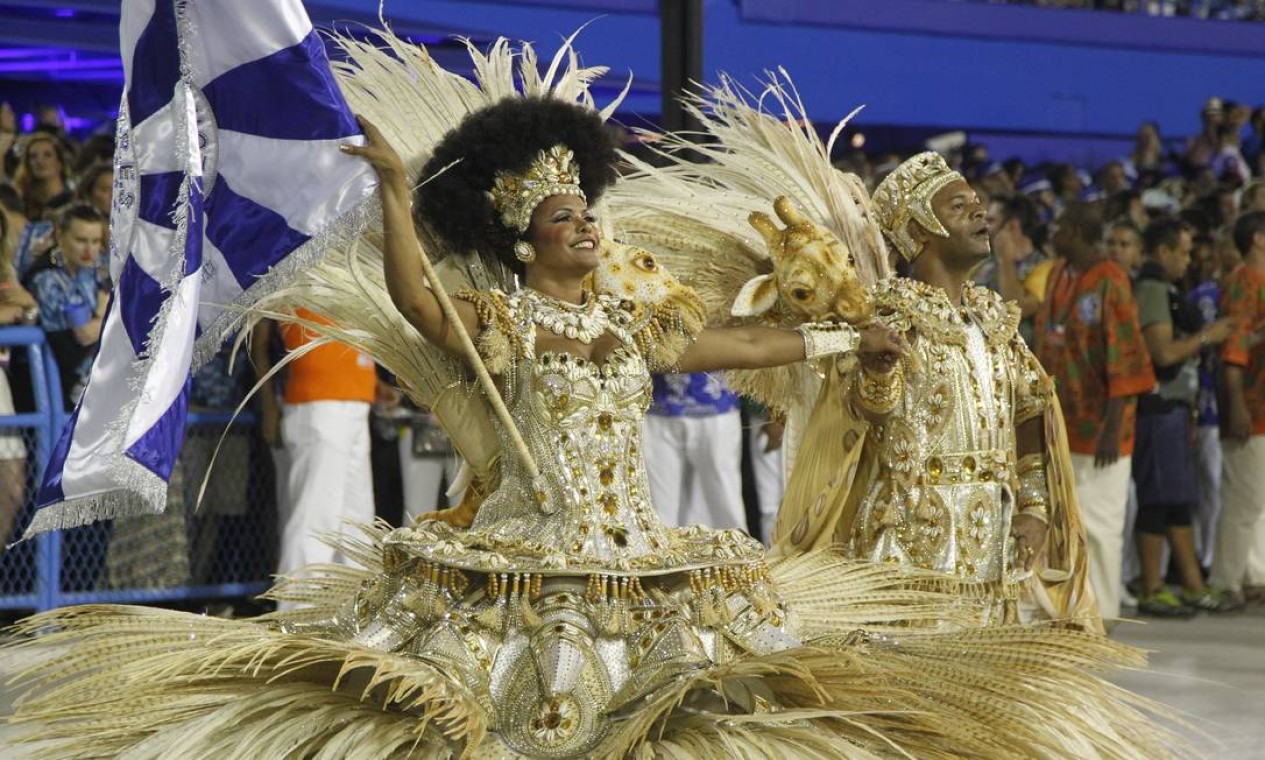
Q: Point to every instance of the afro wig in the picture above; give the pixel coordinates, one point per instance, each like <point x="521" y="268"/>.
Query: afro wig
<point x="506" y="136"/>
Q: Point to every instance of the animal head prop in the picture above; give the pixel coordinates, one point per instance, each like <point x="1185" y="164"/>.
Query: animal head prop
<point x="652" y="295"/>
<point x="813" y="277"/>
<point x="631" y="273"/>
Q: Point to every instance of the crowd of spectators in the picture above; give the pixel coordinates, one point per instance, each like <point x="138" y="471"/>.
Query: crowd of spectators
<point x="1223" y="10"/>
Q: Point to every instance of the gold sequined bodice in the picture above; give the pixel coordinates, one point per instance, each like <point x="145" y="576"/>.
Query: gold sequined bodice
<point x="582" y="423"/>
<point x="567" y="599"/>
<point x="590" y="506"/>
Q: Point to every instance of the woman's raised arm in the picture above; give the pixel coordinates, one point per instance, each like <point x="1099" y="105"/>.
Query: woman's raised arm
<point x="402" y="251"/>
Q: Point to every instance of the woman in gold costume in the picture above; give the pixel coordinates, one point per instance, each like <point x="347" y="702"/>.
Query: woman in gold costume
<point x="566" y="621"/>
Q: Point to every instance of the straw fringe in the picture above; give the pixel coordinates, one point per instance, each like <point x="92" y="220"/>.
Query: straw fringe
<point x="881" y="675"/>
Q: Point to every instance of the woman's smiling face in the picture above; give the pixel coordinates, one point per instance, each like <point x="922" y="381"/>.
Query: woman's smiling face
<point x="565" y="235"/>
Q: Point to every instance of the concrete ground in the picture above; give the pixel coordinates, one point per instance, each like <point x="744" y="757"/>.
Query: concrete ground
<point x="1211" y="669"/>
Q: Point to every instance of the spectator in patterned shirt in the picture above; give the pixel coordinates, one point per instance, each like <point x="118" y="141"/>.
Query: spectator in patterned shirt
<point x="71" y="293"/>
<point x="1089" y="340"/>
<point x="1240" y="529"/>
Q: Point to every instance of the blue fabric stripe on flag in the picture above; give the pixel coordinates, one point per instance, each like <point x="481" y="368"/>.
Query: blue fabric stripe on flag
<point x="159" y="447"/>
<point x="160" y="194"/>
<point x="251" y="237"/>
<point x="197" y="221"/>
<point x="155" y="64"/>
<point x="289" y="95"/>
<point x="140" y="298"/>
<point x="50" y="489"/>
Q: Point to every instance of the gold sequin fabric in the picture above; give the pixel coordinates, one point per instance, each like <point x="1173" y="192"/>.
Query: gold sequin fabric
<point x="944" y="494"/>
<point x="567" y="597"/>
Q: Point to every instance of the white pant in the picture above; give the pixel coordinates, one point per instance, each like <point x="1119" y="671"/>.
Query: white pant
<point x="695" y="469"/>
<point x="769" y="484"/>
<point x="327" y="478"/>
<point x="424" y="477"/>
<point x="1103" y="493"/>
<point x="1208" y="468"/>
<point x="1256" y="557"/>
<point x="1131" y="565"/>
<point x="1242" y="510"/>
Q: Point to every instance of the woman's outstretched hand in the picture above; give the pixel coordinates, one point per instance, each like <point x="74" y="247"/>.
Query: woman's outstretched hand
<point x="378" y="152"/>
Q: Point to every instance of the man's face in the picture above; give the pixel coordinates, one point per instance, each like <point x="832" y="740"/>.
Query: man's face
<point x="81" y="242"/>
<point x="1067" y="241"/>
<point x="996" y="218"/>
<point x="1114" y="179"/>
<point x="1176" y="260"/>
<point x="962" y="214"/>
<point x="1124" y="247"/>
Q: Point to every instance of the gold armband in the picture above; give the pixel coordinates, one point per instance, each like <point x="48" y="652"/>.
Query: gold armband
<point x="1033" y="498"/>
<point x="828" y="338"/>
<point x="879" y="393"/>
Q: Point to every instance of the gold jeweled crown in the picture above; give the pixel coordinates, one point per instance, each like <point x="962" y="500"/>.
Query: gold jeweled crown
<point x="906" y="194"/>
<point x="515" y="196"/>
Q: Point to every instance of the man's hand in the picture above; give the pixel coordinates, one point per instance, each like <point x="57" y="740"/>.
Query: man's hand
<point x="880" y="349"/>
<point x="773" y="432"/>
<point x="1029" y="534"/>
<point x="386" y="396"/>
<point x="1108" y="449"/>
<point x="1238" y="425"/>
<point x="1220" y="331"/>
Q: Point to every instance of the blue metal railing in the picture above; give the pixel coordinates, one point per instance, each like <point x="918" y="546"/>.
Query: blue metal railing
<point x="44" y="423"/>
<point x="33" y="572"/>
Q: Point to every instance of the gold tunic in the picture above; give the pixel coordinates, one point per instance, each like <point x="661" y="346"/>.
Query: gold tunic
<point x="943" y="496"/>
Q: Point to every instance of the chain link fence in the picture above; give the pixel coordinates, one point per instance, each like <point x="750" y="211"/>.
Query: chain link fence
<point x="223" y="548"/>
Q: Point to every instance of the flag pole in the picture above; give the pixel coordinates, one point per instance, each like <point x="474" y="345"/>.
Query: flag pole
<point x="476" y="363"/>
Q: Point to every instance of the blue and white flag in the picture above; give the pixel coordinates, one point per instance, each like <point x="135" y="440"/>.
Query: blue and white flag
<point x="227" y="180"/>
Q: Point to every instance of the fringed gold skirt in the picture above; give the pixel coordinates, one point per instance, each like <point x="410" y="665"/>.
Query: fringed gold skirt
<point x="861" y="666"/>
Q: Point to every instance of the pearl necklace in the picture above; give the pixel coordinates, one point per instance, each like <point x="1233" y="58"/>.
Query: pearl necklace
<point x="584" y="322"/>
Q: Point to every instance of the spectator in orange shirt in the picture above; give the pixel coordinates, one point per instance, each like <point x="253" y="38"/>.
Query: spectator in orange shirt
<point x="1243" y="435"/>
<point x="1089" y="340"/>
<point x="320" y="440"/>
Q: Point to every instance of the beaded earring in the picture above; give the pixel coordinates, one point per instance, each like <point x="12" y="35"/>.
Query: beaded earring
<point x="524" y="252"/>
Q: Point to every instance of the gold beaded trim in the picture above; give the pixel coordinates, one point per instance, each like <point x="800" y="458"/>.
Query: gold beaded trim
<point x="880" y="393"/>
<point x="1033" y="496"/>
<point x="827" y="338"/>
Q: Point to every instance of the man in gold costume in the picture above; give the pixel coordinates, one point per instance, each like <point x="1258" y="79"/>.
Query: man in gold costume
<point x="950" y="458"/>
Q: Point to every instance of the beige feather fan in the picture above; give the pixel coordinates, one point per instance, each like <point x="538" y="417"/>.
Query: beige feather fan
<point x="693" y="212"/>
